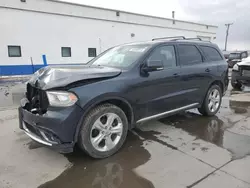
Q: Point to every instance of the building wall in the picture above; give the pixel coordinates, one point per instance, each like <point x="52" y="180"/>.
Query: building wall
<point x="42" y="27"/>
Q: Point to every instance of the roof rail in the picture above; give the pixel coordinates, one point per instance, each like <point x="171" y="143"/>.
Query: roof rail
<point x="177" y="37"/>
<point x="196" y="38"/>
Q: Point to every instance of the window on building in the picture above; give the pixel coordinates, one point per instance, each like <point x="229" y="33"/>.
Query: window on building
<point x="14" y="51"/>
<point x="211" y="53"/>
<point x="189" y="55"/>
<point x="92" y="52"/>
<point x="166" y="54"/>
<point x="66" y="51"/>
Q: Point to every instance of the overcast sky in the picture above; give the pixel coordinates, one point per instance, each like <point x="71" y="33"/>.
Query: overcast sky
<point x="215" y="12"/>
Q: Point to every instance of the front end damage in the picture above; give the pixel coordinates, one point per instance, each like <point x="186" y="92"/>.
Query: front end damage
<point x="241" y="75"/>
<point x="50" y="126"/>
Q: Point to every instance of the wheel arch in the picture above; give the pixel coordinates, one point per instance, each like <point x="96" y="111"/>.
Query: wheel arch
<point x="215" y="82"/>
<point x="219" y="83"/>
<point x="115" y="100"/>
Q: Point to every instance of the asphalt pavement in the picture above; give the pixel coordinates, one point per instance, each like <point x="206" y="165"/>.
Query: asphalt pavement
<point x="185" y="150"/>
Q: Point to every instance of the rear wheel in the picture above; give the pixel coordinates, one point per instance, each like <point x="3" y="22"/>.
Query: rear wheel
<point x="212" y="101"/>
<point x="103" y="131"/>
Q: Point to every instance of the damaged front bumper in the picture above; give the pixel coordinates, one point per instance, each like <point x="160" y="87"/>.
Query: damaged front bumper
<point x="56" y="128"/>
<point x="238" y="78"/>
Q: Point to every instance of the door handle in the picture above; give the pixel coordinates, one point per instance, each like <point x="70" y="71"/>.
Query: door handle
<point x="207" y="70"/>
<point x="175" y="74"/>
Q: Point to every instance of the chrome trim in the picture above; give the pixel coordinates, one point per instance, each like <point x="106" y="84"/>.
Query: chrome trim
<point x="46" y="138"/>
<point x="34" y="137"/>
<point x="161" y="68"/>
<point x="167" y="112"/>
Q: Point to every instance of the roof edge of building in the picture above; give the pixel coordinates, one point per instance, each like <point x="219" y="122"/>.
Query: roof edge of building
<point x="133" y="13"/>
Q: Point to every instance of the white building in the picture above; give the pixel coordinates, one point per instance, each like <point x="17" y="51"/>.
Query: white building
<point x="35" y="32"/>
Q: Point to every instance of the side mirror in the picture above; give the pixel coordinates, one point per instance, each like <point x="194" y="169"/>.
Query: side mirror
<point x="153" y="65"/>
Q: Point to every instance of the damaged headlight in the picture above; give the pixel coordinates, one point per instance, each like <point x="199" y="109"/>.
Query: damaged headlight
<point x="61" y="98"/>
<point x="236" y="67"/>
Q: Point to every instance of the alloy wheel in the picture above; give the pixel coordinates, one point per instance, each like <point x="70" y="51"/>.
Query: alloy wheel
<point x="106" y="132"/>
<point x="214" y="100"/>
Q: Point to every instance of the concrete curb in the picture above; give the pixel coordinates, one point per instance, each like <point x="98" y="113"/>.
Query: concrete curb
<point x="241" y="97"/>
<point x="13" y="79"/>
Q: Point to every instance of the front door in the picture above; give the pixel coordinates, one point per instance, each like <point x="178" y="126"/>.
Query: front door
<point x="160" y="90"/>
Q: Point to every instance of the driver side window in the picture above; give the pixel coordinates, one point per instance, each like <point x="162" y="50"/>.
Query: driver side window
<point x="166" y="54"/>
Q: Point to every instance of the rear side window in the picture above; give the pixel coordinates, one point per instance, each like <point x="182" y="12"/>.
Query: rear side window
<point x="189" y="55"/>
<point x="211" y="53"/>
<point x="166" y="54"/>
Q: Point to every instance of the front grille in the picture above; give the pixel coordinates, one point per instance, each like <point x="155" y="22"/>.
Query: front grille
<point x="246" y="73"/>
<point x="38" y="101"/>
<point x="245" y="70"/>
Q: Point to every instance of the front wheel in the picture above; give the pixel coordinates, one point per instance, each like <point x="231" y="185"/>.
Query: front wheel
<point x="212" y="101"/>
<point x="103" y="131"/>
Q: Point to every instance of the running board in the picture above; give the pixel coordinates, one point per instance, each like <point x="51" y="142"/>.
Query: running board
<point x="167" y="112"/>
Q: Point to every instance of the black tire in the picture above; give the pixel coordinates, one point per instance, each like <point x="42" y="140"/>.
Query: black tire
<point x="236" y="85"/>
<point x="204" y="110"/>
<point x="84" y="141"/>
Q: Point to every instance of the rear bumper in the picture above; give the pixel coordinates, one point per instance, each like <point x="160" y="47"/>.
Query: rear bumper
<point x="55" y="129"/>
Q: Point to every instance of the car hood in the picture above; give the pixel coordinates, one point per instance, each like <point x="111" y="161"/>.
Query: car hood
<point x="60" y="76"/>
<point x="244" y="62"/>
<point x="234" y="59"/>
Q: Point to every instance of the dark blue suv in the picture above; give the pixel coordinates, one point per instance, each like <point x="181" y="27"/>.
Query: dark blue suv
<point x="94" y="105"/>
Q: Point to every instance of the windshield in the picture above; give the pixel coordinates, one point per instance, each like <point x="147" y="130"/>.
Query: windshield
<point x="234" y="56"/>
<point x="121" y="56"/>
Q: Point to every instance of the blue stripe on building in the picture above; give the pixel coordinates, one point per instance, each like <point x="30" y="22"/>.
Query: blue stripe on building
<point x="9" y="70"/>
<point x="6" y="70"/>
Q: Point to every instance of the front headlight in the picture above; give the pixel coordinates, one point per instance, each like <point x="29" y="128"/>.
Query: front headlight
<point x="236" y="67"/>
<point x="61" y="98"/>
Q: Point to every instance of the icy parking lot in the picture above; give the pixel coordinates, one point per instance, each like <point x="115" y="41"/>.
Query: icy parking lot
<point x="185" y="150"/>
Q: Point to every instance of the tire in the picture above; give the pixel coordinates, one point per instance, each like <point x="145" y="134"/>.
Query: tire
<point x="95" y="137"/>
<point x="236" y="85"/>
<point x="206" y="109"/>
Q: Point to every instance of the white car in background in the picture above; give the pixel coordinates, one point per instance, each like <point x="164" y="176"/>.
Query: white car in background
<point x="241" y="74"/>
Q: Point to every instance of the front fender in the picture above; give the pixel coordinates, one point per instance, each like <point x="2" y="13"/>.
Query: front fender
<point x="98" y="100"/>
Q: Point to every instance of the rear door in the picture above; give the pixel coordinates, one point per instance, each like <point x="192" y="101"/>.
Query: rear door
<point x="214" y="64"/>
<point x="193" y="74"/>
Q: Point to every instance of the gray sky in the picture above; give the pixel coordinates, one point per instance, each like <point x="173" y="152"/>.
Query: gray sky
<point x="215" y="12"/>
